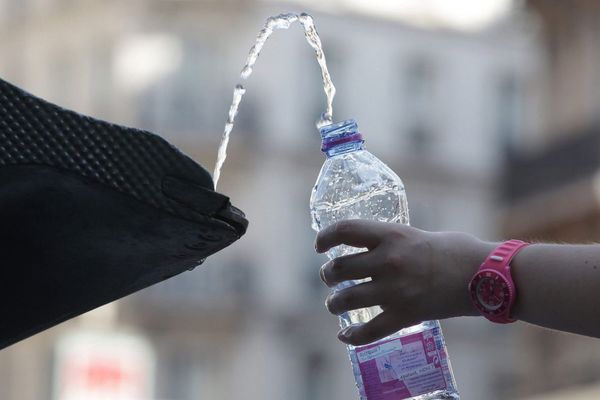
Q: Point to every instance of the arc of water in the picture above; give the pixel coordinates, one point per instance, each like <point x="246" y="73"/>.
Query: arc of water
<point x="282" y="21"/>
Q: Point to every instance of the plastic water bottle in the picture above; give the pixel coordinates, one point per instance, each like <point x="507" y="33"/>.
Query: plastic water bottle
<point x="412" y="363"/>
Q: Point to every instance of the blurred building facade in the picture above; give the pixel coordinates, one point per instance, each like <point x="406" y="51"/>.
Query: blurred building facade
<point x="552" y="183"/>
<point x="439" y="106"/>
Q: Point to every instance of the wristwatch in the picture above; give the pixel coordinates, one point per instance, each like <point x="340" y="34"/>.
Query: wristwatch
<point x="492" y="288"/>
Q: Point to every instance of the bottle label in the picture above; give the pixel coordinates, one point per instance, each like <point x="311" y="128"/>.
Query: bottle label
<point x="404" y="367"/>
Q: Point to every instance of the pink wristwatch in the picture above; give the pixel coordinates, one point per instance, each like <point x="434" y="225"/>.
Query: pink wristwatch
<point x="492" y="289"/>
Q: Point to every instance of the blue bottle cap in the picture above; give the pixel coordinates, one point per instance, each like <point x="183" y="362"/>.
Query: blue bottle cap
<point x="339" y="133"/>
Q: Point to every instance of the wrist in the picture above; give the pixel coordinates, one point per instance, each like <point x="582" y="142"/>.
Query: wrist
<point x="462" y="255"/>
<point x="524" y="257"/>
<point x="474" y="257"/>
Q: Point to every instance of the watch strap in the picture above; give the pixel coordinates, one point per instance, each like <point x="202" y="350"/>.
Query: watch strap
<point x="499" y="261"/>
<point x="500" y="258"/>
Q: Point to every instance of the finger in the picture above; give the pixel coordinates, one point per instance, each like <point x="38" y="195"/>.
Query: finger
<point x="350" y="267"/>
<point x="363" y="295"/>
<point x="353" y="232"/>
<point x="379" y="327"/>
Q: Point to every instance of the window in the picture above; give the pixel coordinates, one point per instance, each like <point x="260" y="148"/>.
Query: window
<point x="508" y="111"/>
<point x="315" y="288"/>
<point x="247" y="119"/>
<point x="418" y="102"/>
<point x="317" y="377"/>
<point x="222" y="283"/>
<point x="177" y="104"/>
<point x="184" y="375"/>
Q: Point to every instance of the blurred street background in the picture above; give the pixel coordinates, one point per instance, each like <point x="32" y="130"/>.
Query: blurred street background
<point x="488" y="110"/>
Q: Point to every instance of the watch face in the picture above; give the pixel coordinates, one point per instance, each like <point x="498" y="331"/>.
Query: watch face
<point x="491" y="292"/>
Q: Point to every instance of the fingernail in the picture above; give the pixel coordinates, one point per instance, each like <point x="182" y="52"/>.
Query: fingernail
<point x="344" y="333"/>
<point x="328" y="302"/>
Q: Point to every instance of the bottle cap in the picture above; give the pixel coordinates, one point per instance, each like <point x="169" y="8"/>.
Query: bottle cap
<point x="339" y="133"/>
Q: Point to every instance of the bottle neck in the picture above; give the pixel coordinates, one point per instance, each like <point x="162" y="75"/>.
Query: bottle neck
<point x="344" y="145"/>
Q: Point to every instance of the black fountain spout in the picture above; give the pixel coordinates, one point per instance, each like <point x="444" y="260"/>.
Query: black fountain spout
<point x="92" y="211"/>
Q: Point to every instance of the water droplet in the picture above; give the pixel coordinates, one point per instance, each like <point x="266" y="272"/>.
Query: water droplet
<point x="246" y="72"/>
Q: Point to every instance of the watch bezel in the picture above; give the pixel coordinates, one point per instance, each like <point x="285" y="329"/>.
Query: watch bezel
<point x="508" y="293"/>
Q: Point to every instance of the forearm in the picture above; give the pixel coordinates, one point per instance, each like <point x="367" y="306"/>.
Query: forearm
<point x="558" y="286"/>
<point x="418" y="275"/>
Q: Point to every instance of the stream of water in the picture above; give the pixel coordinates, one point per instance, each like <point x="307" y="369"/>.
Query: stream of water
<point x="282" y="21"/>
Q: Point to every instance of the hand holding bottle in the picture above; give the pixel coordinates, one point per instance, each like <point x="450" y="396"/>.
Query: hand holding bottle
<point x="418" y="275"/>
<point x="415" y="275"/>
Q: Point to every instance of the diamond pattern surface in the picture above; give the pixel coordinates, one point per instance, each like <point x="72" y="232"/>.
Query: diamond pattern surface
<point x="131" y="161"/>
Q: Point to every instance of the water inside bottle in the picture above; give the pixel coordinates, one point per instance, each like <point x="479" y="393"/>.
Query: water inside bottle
<point x="281" y="21"/>
<point x="413" y="362"/>
<point x="386" y="204"/>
